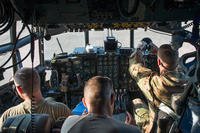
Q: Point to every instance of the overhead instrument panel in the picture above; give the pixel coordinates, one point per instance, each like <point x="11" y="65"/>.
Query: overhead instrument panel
<point x="105" y="13"/>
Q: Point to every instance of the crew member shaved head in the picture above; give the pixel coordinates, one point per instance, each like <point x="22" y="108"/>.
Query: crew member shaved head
<point x="98" y="92"/>
<point x="23" y="78"/>
<point x="168" y="56"/>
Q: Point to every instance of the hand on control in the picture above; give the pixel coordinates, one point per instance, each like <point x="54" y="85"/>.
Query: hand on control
<point x="136" y="57"/>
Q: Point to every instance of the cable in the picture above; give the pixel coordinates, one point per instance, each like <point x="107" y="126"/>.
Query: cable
<point x="32" y="61"/>
<point x="159" y="32"/>
<point x="127" y="14"/>
<point x="14" y="48"/>
<point x="15" y="44"/>
<point x="19" y="14"/>
<point x="19" y="61"/>
<point x="6" y="16"/>
<point x="33" y="101"/>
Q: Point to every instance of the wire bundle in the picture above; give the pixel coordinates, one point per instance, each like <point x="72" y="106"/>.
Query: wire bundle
<point x="6" y="15"/>
<point x="7" y="11"/>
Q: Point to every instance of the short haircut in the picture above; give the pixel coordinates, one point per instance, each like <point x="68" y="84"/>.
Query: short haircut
<point x="27" y="78"/>
<point x="98" y="90"/>
<point x="168" y="55"/>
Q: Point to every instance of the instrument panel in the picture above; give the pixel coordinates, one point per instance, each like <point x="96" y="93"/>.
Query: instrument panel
<point x="80" y="66"/>
<point x="111" y="64"/>
<point x="75" y="69"/>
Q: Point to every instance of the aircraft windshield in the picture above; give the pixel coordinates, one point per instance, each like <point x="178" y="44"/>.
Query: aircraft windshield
<point x="71" y="40"/>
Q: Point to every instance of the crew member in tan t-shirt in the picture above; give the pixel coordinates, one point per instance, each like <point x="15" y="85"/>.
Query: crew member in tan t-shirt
<point x="23" y="82"/>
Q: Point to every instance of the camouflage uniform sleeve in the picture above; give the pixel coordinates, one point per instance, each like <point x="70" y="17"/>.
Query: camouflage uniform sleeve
<point x="137" y="71"/>
<point x="148" y="81"/>
<point x="142" y="76"/>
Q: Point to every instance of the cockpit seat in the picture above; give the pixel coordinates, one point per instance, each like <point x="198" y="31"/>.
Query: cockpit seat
<point x="27" y="123"/>
<point x="188" y="63"/>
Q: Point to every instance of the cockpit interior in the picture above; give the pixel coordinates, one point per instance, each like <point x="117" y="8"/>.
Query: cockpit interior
<point x="69" y="71"/>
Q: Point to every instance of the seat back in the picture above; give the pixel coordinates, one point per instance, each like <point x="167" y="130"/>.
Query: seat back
<point x="26" y="123"/>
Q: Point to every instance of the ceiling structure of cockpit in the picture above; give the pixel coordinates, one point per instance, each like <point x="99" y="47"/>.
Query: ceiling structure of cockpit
<point x="99" y="14"/>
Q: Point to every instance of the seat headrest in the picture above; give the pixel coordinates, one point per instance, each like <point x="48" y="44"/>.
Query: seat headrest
<point x="26" y="123"/>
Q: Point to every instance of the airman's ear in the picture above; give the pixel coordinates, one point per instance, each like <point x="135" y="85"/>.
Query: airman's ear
<point x="84" y="103"/>
<point x="112" y="98"/>
<point x="159" y="61"/>
<point x="19" y="89"/>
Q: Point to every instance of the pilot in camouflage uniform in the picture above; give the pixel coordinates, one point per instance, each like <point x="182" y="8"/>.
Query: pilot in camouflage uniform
<point x="156" y="87"/>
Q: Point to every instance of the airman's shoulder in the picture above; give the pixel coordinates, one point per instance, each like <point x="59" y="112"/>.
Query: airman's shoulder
<point x="15" y="110"/>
